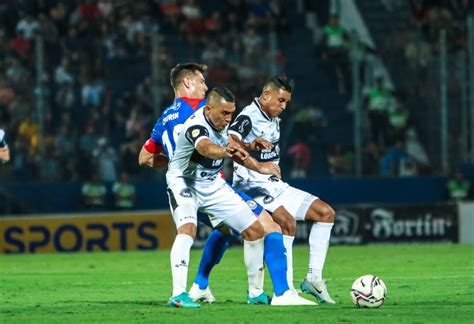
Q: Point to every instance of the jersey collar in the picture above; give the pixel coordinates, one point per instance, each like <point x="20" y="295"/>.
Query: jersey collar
<point x="193" y="102"/>
<point x="255" y="101"/>
<point x="209" y="122"/>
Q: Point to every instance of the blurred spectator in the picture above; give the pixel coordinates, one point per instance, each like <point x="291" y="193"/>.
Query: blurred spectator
<point x="398" y="119"/>
<point x="106" y="160"/>
<point x="371" y="159"/>
<point x="62" y="75"/>
<point x="392" y="160"/>
<point x="300" y="155"/>
<point x="94" y="193"/>
<point x="28" y="26"/>
<point x="458" y="186"/>
<point x="124" y="193"/>
<point x="340" y="161"/>
<point x="379" y="99"/>
<point x="335" y="52"/>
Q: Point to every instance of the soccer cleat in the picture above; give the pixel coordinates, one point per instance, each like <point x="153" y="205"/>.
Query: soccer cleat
<point x="182" y="301"/>
<point x="201" y="295"/>
<point x="290" y="298"/>
<point x="318" y="289"/>
<point x="262" y="299"/>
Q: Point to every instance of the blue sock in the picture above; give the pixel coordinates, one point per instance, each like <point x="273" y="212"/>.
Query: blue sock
<point x="214" y="249"/>
<point x="274" y="255"/>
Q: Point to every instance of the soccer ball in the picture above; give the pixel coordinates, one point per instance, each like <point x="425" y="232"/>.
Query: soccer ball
<point x="368" y="291"/>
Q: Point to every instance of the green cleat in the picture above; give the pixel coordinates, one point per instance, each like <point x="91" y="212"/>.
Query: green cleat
<point x="262" y="299"/>
<point x="182" y="301"/>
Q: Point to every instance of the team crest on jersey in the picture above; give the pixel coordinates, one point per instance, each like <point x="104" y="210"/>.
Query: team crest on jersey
<point x="252" y="204"/>
<point x="268" y="199"/>
<point x="273" y="178"/>
<point x="195" y="133"/>
<point x="186" y="193"/>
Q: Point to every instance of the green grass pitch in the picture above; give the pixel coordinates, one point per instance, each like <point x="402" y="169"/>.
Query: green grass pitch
<point x="426" y="284"/>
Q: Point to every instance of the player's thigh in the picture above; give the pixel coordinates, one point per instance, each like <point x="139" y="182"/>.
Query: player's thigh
<point x="183" y="204"/>
<point x="228" y="207"/>
<point x="297" y="202"/>
<point x="269" y="225"/>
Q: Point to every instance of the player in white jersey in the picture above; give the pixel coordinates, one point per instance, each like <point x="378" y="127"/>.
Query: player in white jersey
<point x="287" y="204"/>
<point x="4" y="150"/>
<point x="195" y="184"/>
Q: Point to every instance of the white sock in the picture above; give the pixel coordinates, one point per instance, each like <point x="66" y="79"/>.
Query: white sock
<point x="253" y="258"/>
<point x="318" y="248"/>
<point x="288" y="243"/>
<point x="179" y="258"/>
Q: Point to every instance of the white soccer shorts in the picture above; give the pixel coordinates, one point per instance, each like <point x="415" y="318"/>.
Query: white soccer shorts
<point x="217" y="199"/>
<point x="295" y="201"/>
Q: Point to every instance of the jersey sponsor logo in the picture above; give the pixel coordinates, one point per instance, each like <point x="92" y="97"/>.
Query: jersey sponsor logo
<point x="267" y="154"/>
<point x="172" y="116"/>
<point x="252" y="204"/>
<point x="206" y="162"/>
<point x="186" y="193"/>
<point x="268" y="199"/>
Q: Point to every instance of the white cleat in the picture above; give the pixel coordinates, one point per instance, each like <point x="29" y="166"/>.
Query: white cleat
<point x="290" y="298"/>
<point x="318" y="289"/>
<point x="201" y="295"/>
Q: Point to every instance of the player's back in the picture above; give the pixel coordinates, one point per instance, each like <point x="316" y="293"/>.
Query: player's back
<point x="170" y="124"/>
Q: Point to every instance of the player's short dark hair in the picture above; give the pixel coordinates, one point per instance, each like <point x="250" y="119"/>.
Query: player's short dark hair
<point x="281" y="81"/>
<point x="221" y="92"/>
<point x="180" y="71"/>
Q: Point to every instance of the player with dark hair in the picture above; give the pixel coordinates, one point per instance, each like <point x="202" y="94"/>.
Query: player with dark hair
<point x="190" y="89"/>
<point x="195" y="184"/>
<point x="4" y="150"/>
<point x="286" y="203"/>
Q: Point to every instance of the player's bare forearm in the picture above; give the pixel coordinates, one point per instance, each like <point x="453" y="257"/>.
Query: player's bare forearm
<point x="155" y="161"/>
<point x="261" y="167"/>
<point x="258" y="144"/>
<point x="210" y="150"/>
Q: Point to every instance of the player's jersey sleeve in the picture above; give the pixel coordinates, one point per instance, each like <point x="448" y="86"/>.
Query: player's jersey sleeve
<point x="196" y="133"/>
<point x="241" y="127"/>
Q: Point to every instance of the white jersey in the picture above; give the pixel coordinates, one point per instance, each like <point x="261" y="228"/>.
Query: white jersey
<point x="251" y="123"/>
<point x="187" y="162"/>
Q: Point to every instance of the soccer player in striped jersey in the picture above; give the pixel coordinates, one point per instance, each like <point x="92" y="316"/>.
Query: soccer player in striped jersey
<point x="286" y="203"/>
<point x="189" y="84"/>
<point x="195" y="184"/>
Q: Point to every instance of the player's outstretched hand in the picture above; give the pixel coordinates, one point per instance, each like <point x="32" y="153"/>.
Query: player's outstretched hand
<point x="259" y="144"/>
<point x="269" y="168"/>
<point x="235" y="151"/>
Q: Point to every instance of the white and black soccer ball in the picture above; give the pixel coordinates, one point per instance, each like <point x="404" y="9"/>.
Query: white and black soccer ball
<point x="368" y="291"/>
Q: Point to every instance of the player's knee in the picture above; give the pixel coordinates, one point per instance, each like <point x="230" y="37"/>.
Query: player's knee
<point x="272" y="228"/>
<point x="188" y="229"/>
<point x="322" y="213"/>
<point x="225" y="230"/>
<point x="253" y="232"/>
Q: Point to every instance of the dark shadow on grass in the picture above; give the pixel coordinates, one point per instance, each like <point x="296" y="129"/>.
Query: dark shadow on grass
<point x="154" y="303"/>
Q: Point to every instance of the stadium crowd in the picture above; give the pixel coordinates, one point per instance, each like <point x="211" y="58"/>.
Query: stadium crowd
<point x="97" y="85"/>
